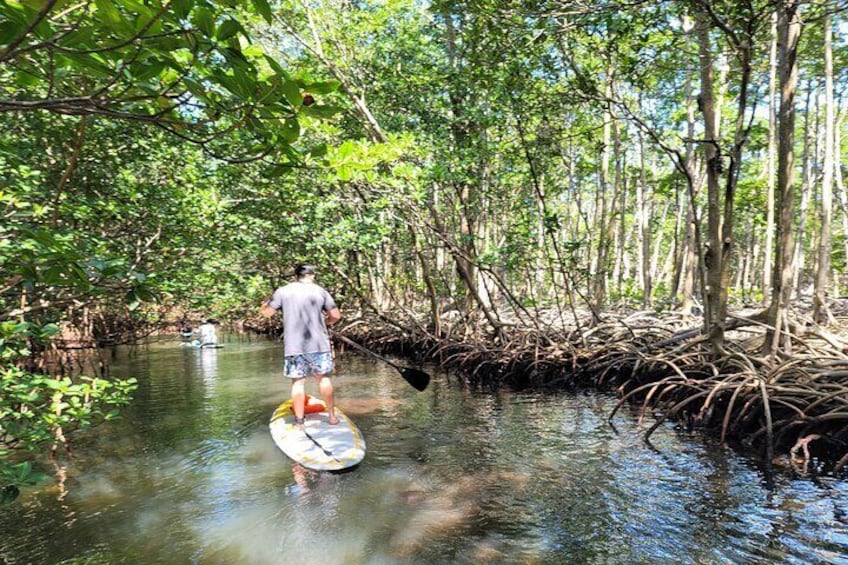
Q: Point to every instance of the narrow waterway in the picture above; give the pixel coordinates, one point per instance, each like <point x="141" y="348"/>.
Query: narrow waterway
<point x="190" y="475"/>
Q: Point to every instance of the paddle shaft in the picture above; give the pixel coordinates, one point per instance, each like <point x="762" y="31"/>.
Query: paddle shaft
<point x="415" y="377"/>
<point x="327" y="452"/>
<point x="355" y="345"/>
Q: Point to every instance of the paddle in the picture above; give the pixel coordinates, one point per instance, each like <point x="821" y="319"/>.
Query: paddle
<point x="417" y="378"/>
<point x="327" y="452"/>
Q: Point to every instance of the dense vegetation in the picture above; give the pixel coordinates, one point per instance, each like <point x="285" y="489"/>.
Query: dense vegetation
<point x="465" y="171"/>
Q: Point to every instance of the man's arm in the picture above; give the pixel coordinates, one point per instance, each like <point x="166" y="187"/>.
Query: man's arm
<point x="266" y="310"/>
<point x="332" y="316"/>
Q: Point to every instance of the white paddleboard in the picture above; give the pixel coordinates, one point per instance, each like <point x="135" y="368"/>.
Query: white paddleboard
<point x="320" y="446"/>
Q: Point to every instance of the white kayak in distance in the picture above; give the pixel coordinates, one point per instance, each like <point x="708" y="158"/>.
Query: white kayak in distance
<point x="320" y="446"/>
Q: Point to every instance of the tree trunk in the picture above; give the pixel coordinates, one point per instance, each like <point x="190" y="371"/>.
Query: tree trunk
<point x="808" y="157"/>
<point x="821" y="312"/>
<point x="770" y="163"/>
<point x="643" y="215"/>
<point x="603" y="216"/>
<point x="840" y="186"/>
<point x="619" y="233"/>
<point x="689" y="261"/>
<point x="429" y="284"/>
<point x="789" y="26"/>
<point x="713" y="325"/>
<point x="463" y="186"/>
<point x="347" y="82"/>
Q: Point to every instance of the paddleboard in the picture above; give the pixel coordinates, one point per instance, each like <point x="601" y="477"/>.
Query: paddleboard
<point x="196" y="343"/>
<point x="319" y="446"/>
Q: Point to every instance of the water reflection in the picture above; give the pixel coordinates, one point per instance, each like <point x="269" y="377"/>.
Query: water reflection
<point x="208" y="368"/>
<point x="190" y="474"/>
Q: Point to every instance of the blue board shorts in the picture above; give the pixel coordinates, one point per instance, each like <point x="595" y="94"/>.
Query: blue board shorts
<point x="308" y="364"/>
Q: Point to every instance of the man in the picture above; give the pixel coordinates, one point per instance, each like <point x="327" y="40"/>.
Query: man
<point x="208" y="335"/>
<point x="307" y="311"/>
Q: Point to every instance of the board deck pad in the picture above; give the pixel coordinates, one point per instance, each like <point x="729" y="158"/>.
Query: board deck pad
<point x="323" y="447"/>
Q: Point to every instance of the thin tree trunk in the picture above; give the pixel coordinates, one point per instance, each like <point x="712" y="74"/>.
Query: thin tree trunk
<point x="840" y="186"/>
<point x="76" y="149"/>
<point x="712" y="254"/>
<point x="346" y="81"/>
<point x="621" y="269"/>
<point x="808" y="158"/>
<point x="789" y="25"/>
<point x="432" y="294"/>
<point x="770" y="162"/>
<point x="540" y="236"/>
<point x="821" y="312"/>
<point x="603" y="217"/>
<point x="463" y="187"/>
<point x="643" y="214"/>
<point x="689" y="262"/>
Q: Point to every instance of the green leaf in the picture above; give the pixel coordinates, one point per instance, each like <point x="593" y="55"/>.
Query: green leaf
<point x="9" y="493"/>
<point x="228" y="29"/>
<point x="344" y="173"/>
<point x="275" y="66"/>
<point x="147" y="71"/>
<point x="321" y="112"/>
<point x="231" y="84"/>
<point x="319" y="150"/>
<point x="236" y="58"/>
<point x="109" y="11"/>
<point x="246" y="84"/>
<point x="23" y="470"/>
<point x="8" y="31"/>
<point x="205" y="22"/>
<point x="25" y="79"/>
<point x="290" y="130"/>
<point x="280" y="170"/>
<point x="291" y="92"/>
<point x="264" y="9"/>
<point x="50" y="330"/>
<point x="323" y="86"/>
<point x="182" y="8"/>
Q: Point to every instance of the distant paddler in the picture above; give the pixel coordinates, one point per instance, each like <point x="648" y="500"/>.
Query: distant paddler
<point x="208" y="333"/>
<point x="185" y="330"/>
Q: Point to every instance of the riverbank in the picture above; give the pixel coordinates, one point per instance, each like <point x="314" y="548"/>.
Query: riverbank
<point x="790" y="411"/>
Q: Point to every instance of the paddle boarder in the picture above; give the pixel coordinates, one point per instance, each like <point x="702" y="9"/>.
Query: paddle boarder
<point x="307" y="311"/>
<point x="208" y="334"/>
<point x="185" y="330"/>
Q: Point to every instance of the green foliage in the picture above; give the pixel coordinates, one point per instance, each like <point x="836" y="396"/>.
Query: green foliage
<point x="37" y="409"/>
<point x="15" y="475"/>
<point x="191" y="68"/>
<point x="493" y="120"/>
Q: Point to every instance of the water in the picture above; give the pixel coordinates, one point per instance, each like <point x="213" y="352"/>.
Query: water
<point x="191" y="475"/>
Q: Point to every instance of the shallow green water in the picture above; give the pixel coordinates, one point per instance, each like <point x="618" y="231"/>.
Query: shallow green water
<point x="191" y="475"/>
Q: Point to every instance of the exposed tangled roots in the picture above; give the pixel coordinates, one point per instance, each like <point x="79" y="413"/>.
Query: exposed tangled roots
<point x="795" y="407"/>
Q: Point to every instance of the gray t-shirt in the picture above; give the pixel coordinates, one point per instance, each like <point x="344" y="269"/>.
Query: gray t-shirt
<point x="303" y="304"/>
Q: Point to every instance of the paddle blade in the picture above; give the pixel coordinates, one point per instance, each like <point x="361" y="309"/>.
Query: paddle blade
<point x="418" y="379"/>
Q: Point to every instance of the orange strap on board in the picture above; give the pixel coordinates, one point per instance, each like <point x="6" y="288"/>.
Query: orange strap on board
<point x="311" y="407"/>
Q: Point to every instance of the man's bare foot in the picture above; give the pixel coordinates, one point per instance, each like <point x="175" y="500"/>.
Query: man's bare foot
<point x="298" y="423"/>
<point x="332" y="420"/>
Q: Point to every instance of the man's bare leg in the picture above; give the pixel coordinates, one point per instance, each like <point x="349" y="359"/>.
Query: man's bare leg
<point x="298" y="395"/>
<point x="325" y="385"/>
